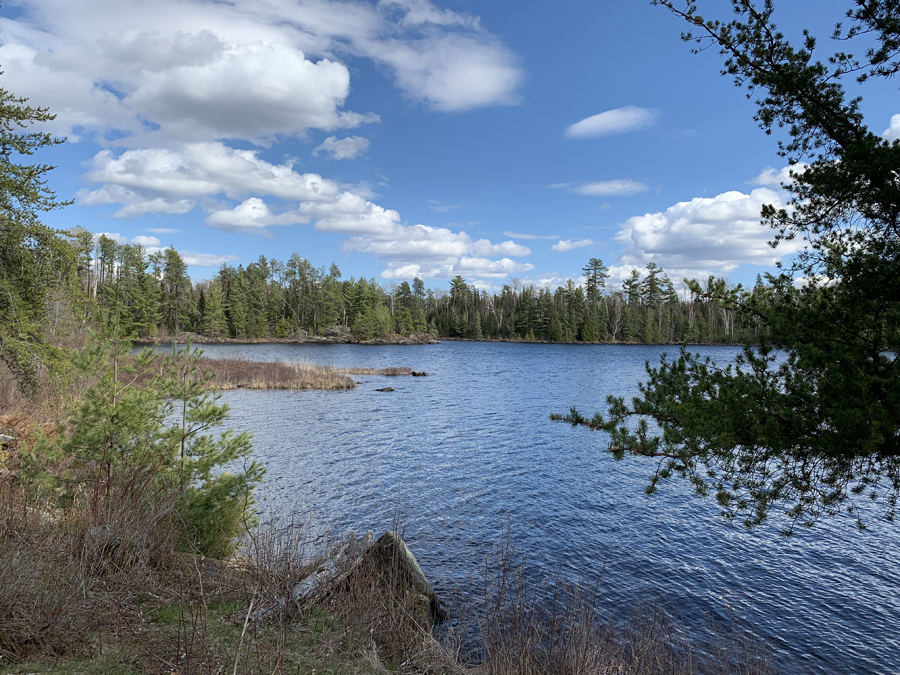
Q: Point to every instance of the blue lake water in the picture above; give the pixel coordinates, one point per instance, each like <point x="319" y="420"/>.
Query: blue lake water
<point x="470" y="448"/>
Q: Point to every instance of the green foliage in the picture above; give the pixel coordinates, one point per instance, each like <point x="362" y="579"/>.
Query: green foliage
<point x="140" y="440"/>
<point x="810" y="420"/>
<point x="35" y="261"/>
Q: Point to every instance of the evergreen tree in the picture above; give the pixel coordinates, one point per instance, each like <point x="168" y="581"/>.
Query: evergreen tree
<point x="145" y="448"/>
<point x="214" y="323"/>
<point x="810" y="419"/>
<point x="35" y="261"/>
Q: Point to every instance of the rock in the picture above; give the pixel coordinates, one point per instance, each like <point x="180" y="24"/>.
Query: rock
<point x="388" y="561"/>
<point x="385" y="389"/>
<point x="332" y="569"/>
<point x="419" y="373"/>
<point x="398" y="567"/>
<point x="5" y="440"/>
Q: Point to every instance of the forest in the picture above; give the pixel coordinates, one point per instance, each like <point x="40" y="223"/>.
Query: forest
<point x="151" y="296"/>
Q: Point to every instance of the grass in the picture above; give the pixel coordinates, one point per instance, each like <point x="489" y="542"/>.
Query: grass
<point x="73" y="602"/>
<point x="68" y="606"/>
<point x="246" y="374"/>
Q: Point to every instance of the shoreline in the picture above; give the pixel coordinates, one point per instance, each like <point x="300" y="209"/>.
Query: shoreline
<point x="399" y="340"/>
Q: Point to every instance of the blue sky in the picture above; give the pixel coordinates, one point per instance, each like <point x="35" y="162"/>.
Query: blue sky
<point x="399" y="138"/>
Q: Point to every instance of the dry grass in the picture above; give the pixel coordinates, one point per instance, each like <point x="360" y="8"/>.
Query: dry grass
<point x="525" y="631"/>
<point x="71" y="602"/>
<point x="245" y="374"/>
<point x="390" y="372"/>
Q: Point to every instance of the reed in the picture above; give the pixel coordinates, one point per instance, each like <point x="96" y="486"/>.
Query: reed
<point x="246" y="374"/>
<point x="390" y="372"/>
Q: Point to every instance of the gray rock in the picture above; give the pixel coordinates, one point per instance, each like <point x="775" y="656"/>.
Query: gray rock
<point x="385" y="389"/>
<point x="388" y="560"/>
<point x="4" y="439"/>
<point x="398" y="567"/>
<point x="332" y="569"/>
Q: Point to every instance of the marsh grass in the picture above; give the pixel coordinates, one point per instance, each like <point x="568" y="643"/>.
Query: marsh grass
<point x="246" y="374"/>
<point x="556" y="630"/>
<point x="390" y="372"/>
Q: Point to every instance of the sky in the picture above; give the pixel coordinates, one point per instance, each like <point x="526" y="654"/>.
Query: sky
<point x="504" y="141"/>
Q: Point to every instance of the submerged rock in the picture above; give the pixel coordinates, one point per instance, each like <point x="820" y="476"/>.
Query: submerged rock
<point x="385" y="389"/>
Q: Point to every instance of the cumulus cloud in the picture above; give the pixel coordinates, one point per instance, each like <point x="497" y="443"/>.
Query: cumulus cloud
<point x="616" y="121"/>
<point x="606" y="188"/>
<point x="564" y="245"/>
<point x="467" y="267"/>
<point x="243" y="193"/>
<point x="252" y="215"/>
<point x="145" y="241"/>
<point x="195" y="70"/>
<point x="345" y="148"/>
<point x="394" y="240"/>
<point x="159" y="180"/>
<point x="775" y="178"/>
<point x="704" y="235"/>
<point x="892" y="133"/>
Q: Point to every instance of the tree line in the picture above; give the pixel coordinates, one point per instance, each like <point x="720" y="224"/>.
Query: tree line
<point x="150" y="295"/>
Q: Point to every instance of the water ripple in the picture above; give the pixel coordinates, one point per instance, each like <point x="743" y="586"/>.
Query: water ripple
<point x="461" y="453"/>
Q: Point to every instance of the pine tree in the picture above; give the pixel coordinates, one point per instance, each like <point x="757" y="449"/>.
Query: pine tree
<point x="35" y="261"/>
<point x="214" y="323"/>
<point x="809" y="419"/>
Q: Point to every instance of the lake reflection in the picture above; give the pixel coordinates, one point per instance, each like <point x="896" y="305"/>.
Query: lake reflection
<point x="470" y="448"/>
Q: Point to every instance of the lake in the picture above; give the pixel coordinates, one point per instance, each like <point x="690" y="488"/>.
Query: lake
<point x="464" y="452"/>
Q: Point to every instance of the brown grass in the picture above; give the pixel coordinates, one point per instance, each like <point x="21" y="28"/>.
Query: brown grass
<point x="526" y="631"/>
<point x="133" y="604"/>
<point x="245" y="374"/>
<point x="390" y="372"/>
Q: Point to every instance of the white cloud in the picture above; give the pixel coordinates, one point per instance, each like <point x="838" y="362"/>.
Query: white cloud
<point x="168" y="181"/>
<point x="467" y="267"/>
<point x="115" y="236"/>
<point x="420" y="242"/>
<point x="206" y="259"/>
<point x="452" y="72"/>
<point x="517" y="235"/>
<point x="145" y="241"/>
<point x="892" y="133"/>
<point x="564" y="245"/>
<point x="345" y="148"/>
<point x="194" y="70"/>
<point x="163" y="230"/>
<point x="213" y="177"/>
<point x="250" y="92"/>
<point x="704" y="235"/>
<point x="152" y="245"/>
<point x="617" y="121"/>
<point x="252" y="215"/>
<point x="775" y="178"/>
<point x="607" y="188"/>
